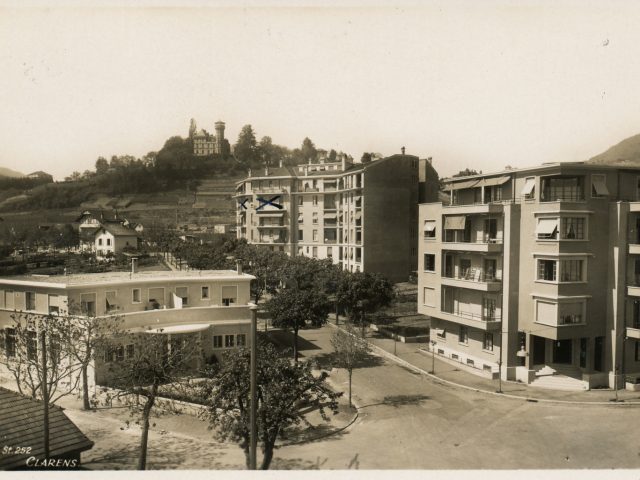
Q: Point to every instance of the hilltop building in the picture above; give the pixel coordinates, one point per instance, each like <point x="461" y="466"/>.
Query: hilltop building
<point x="362" y="216"/>
<point x="534" y="274"/>
<point x="211" y="303"/>
<point x="205" y="143"/>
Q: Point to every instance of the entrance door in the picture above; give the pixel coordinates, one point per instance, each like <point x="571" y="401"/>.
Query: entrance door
<point x="562" y="351"/>
<point x="598" y="352"/>
<point x="538" y="350"/>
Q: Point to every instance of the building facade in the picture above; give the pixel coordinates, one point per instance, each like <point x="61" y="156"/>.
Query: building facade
<point x="205" y="143"/>
<point x="213" y="304"/>
<point x="531" y="272"/>
<point x="361" y="216"/>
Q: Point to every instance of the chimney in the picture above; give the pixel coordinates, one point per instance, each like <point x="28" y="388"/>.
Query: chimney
<point x="249" y="173"/>
<point x="280" y="163"/>
<point x="430" y="160"/>
<point x="306" y="170"/>
<point x="239" y="266"/>
<point x="134" y="265"/>
<point x="402" y="149"/>
<point x="266" y="170"/>
<point x="344" y="162"/>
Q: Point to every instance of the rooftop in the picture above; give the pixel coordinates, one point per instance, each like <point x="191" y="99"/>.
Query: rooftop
<point x="81" y="279"/>
<point x="21" y="425"/>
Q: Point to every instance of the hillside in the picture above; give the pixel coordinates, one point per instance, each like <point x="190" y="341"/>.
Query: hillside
<point x="7" y="172"/>
<point x="627" y="152"/>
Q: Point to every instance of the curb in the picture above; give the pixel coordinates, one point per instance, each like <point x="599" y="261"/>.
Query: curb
<point x="382" y="352"/>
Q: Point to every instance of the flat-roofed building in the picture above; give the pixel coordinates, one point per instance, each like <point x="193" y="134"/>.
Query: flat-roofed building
<point x="212" y="303"/>
<point x="361" y="216"/>
<point x="533" y="272"/>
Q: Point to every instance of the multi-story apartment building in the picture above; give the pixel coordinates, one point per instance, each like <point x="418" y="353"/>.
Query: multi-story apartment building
<point x="362" y="216"/>
<point x="213" y="304"/>
<point x="534" y="271"/>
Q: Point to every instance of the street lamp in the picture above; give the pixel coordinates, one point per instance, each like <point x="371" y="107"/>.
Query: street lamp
<point x="253" y="433"/>
<point x="433" y="357"/>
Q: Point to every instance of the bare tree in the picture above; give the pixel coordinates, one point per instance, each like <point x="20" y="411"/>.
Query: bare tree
<point x="141" y="364"/>
<point x="350" y="349"/>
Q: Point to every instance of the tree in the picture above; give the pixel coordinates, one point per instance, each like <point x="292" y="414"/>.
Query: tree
<point x="262" y="264"/>
<point x="283" y="389"/>
<point x="102" y="166"/>
<point x="293" y="309"/>
<point x="266" y="151"/>
<point x="366" y="157"/>
<point x="246" y="148"/>
<point x="350" y="349"/>
<point x="305" y="273"/>
<point x="149" y="362"/>
<point x="333" y="155"/>
<point x="466" y="172"/>
<point x="308" y="150"/>
<point x="85" y="338"/>
<point x="38" y="358"/>
<point x="361" y="292"/>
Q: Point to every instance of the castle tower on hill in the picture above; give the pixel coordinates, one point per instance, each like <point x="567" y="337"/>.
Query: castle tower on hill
<point x="206" y="144"/>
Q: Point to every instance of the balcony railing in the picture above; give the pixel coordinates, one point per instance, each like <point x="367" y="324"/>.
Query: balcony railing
<point x="485" y="240"/>
<point x="473" y="276"/>
<point x="479" y="317"/>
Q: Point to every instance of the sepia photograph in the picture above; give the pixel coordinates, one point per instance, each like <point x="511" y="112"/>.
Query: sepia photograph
<point x="401" y="238"/>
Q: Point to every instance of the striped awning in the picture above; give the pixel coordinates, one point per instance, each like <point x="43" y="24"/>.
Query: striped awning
<point x="490" y="182"/>
<point x="465" y="184"/>
<point x="455" y="222"/>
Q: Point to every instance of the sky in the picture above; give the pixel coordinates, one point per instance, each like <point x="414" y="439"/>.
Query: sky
<point x="472" y="84"/>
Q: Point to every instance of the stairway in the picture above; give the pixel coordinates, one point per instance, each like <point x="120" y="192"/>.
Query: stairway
<point x="560" y="377"/>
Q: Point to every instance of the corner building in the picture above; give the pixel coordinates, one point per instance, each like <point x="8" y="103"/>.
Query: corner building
<point x="535" y="272"/>
<point x="362" y="216"/>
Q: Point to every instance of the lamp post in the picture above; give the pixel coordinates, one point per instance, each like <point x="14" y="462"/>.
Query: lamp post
<point x="253" y="433"/>
<point x="433" y="357"/>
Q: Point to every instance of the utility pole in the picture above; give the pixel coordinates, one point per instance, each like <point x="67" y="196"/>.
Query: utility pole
<point x="253" y="431"/>
<point x="45" y="393"/>
<point x="433" y="357"/>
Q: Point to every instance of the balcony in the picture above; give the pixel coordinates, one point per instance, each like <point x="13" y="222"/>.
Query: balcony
<point x="634" y="249"/>
<point x="634" y="207"/>
<point x="633" y="291"/>
<point x="474" y="208"/>
<point x="490" y="245"/>
<point x="479" y="281"/>
<point x="268" y="225"/>
<point x="270" y="190"/>
<point x="470" y="319"/>
<point x="633" y="332"/>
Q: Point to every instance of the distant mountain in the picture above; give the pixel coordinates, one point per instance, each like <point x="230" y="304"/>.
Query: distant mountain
<point x="627" y="152"/>
<point x="7" y="172"/>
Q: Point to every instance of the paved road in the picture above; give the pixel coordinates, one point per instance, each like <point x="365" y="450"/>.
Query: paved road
<point x="408" y="421"/>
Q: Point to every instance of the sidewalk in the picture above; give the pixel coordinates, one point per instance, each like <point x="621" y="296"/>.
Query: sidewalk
<point x="409" y="352"/>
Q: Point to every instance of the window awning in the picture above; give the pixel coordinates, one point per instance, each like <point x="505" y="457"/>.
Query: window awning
<point x="358" y="215"/>
<point x="262" y="213"/>
<point x="490" y="182"/>
<point x="190" y="328"/>
<point x="465" y="184"/>
<point x="529" y="185"/>
<point x="547" y="226"/>
<point x="599" y="186"/>
<point x="456" y="222"/>
<point x="429" y="225"/>
<point x="330" y="216"/>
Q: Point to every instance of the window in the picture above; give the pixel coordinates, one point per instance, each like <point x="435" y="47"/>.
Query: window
<point x="463" y="335"/>
<point x="300" y="200"/>
<point x="547" y="229"/>
<point x="571" y="270"/>
<point x="217" y="341"/>
<point x="30" y="300"/>
<point x="442" y="334"/>
<point x="489" y="308"/>
<point x="599" y="186"/>
<point x="429" y="262"/>
<point x="470" y="362"/>
<point x="100" y="241"/>
<point x="315" y="200"/>
<point x="229" y="295"/>
<point x="465" y="268"/>
<point x="315" y="235"/>
<point x="10" y="342"/>
<point x="88" y="304"/>
<point x="300" y="218"/>
<point x="205" y="293"/>
<point x="429" y="296"/>
<point x="562" y="188"/>
<point x="241" y="340"/>
<point x="228" y="341"/>
<point x="570" y="313"/>
<point x="329" y="252"/>
<point x="111" y="301"/>
<point x="183" y="293"/>
<point x="529" y="189"/>
<point x="315" y="252"/>
<point x="130" y="350"/>
<point x="108" y="242"/>
<point x="547" y="270"/>
<point x="430" y="229"/>
<point x="119" y="353"/>
<point x="573" y="228"/>
<point x="300" y="235"/>
<point x="314" y="218"/>
<point x="135" y="294"/>
<point x="487" y="344"/>
<point x="32" y="346"/>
